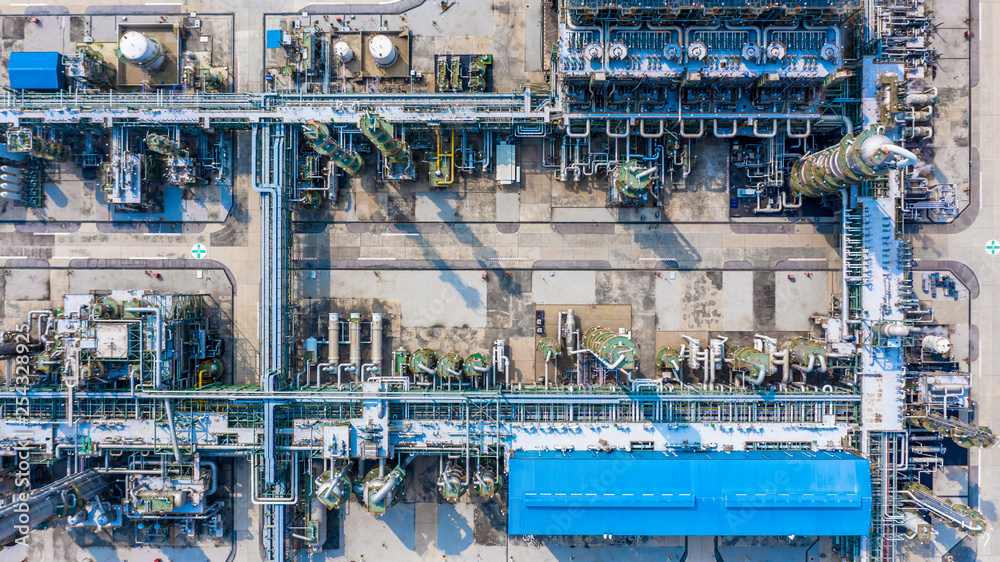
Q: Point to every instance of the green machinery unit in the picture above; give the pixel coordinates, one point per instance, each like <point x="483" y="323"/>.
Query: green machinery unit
<point x="450" y="366"/>
<point x="322" y="142"/>
<point x="380" y="133"/>
<point x="633" y="182"/>
<point x="614" y="350"/>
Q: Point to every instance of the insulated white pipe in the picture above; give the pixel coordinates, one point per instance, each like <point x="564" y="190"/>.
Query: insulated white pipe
<point x="908" y="158"/>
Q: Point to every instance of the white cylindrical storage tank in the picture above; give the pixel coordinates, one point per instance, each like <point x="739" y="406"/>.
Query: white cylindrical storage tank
<point x="10" y="178"/>
<point x="936" y="344"/>
<point x="11" y="170"/>
<point x="141" y="50"/>
<point x="10" y="195"/>
<point x="10" y="187"/>
<point x="382" y="50"/>
<point x="343" y="52"/>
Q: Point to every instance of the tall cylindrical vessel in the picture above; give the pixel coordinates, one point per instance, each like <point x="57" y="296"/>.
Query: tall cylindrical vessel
<point x="847" y="163"/>
<point x="382" y="50"/>
<point x="333" y="339"/>
<point x="322" y="141"/>
<point x="377" y="340"/>
<point x="354" y="331"/>
<point x="144" y="52"/>
<point x="379" y="131"/>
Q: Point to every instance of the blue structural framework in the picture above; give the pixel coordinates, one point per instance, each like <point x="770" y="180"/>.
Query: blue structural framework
<point x="35" y="71"/>
<point x="654" y="493"/>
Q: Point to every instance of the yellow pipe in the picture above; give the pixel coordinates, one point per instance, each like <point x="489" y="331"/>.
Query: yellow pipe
<point x="451" y="173"/>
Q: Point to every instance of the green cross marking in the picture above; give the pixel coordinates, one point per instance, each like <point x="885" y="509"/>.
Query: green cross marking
<point x="993" y="247"/>
<point x="198" y="251"/>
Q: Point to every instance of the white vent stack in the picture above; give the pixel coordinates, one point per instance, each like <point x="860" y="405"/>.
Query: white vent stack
<point x="382" y="50"/>
<point x="343" y="52"/>
<point x="141" y="51"/>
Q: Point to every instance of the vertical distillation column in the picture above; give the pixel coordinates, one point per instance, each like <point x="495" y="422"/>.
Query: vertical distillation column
<point x="268" y="152"/>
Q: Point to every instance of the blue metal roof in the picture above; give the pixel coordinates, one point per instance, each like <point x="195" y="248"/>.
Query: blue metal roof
<point x="272" y="38"/>
<point x="656" y="493"/>
<point x="35" y="71"/>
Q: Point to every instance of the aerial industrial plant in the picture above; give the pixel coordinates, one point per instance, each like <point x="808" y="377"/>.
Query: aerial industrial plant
<point x="465" y="280"/>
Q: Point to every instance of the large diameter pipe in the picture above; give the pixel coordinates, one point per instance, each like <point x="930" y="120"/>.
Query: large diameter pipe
<point x="59" y="499"/>
<point x="173" y="432"/>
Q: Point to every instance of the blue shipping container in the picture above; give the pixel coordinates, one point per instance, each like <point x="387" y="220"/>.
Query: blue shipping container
<point x="36" y="71"/>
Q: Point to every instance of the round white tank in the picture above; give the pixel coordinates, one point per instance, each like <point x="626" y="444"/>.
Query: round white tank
<point x="672" y="51"/>
<point x="11" y="170"/>
<point x="140" y="50"/>
<point x="776" y="50"/>
<point x="382" y="50"/>
<point x="343" y="52"/>
<point x="10" y="178"/>
<point x="936" y="344"/>
<point x="697" y="50"/>
<point x="593" y="51"/>
<point x="618" y="50"/>
<point x="10" y="187"/>
<point x="10" y="195"/>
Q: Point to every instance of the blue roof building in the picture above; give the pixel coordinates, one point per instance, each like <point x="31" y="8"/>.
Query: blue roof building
<point x="35" y="71"/>
<point x="657" y="493"/>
